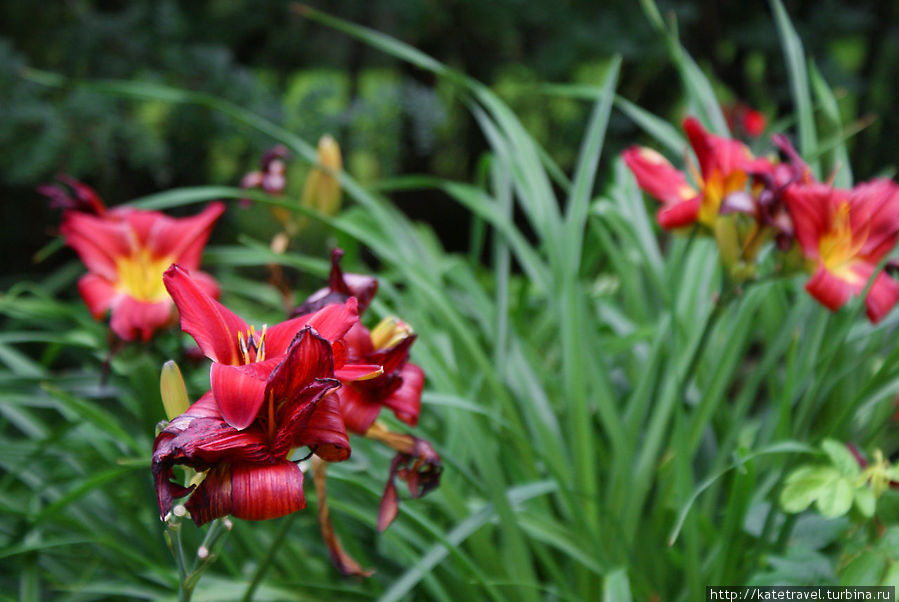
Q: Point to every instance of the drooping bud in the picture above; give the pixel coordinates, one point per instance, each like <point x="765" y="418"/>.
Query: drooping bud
<point x="173" y="390"/>
<point x="322" y="190"/>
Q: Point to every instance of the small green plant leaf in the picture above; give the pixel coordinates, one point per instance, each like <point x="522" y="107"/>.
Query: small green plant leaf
<point x="865" y="501"/>
<point x="836" y="499"/>
<point x="805" y="485"/>
<point x="841" y="457"/>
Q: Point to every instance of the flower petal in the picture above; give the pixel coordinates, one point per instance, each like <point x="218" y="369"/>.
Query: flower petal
<point x="132" y="319"/>
<point x="333" y="321"/>
<point x="717" y="153"/>
<point x="353" y="372"/>
<point x="210" y="323"/>
<point x="358" y="408"/>
<point x="324" y="432"/>
<point x="657" y="176"/>
<point x="882" y="297"/>
<point x="97" y="240"/>
<point x="248" y="491"/>
<point x="406" y="400"/>
<point x="833" y="292"/>
<point x="240" y="390"/>
<point x="680" y="214"/>
<point x="200" y="438"/>
<point x="811" y="207"/>
<point x="308" y="358"/>
<point x="186" y="237"/>
<point x="98" y="294"/>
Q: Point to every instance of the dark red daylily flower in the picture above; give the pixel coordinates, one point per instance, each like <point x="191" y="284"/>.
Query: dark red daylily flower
<point x="244" y="359"/>
<point x="249" y="475"/>
<point x="724" y="168"/>
<point x="341" y="286"/>
<point x="398" y="388"/>
<point x="126" y="250"/>
<point x="844" y="234"/>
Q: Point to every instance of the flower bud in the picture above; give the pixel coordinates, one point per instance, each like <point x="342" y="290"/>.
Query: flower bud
<point x="173" y="391"/>
<point x="322" y="190"/>
<point x="390" y="332"/>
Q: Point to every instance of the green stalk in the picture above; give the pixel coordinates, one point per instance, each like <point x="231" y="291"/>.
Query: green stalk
<point x="266" y="562"/>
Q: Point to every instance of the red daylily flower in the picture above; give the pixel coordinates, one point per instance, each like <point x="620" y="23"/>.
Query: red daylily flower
<point x="400" y="385"/>
<point x="249" y="475"/>
<point x="126" y="250"/>
<point x="844" y="234"/>
<point x="724" y="168"/>
<point x="243" y="359"/>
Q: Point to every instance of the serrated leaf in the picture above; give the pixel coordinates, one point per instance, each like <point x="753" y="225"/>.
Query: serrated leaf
<point x="836" y="499"/>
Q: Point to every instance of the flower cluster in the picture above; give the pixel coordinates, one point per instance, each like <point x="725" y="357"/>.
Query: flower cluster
<point x="302" y="383"/>
<point x="747" y="201"/>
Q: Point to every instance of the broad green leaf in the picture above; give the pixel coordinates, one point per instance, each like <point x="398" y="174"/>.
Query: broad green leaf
<point x="841" y="457"/>
<point x="804" y="485"/>
<point x="836" y="498"/>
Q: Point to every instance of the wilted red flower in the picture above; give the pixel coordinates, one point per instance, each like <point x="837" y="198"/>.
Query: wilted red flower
<point x="341" y="286"/>
<point x="126" y="250"/>
<point x="844" y="234"/>
<point x="249" y="475"/>
<point x="724" y="168"/>
<point x="243" y="359"/>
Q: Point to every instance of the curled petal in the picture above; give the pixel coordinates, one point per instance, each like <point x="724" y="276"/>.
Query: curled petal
<point x="133" y="319"/>
<point x="248" y="491"/>
<point x="307" y="358"/>
<point x="240" y="390"/>
<point x="882" y="297"/>
<point x="210" y="323"/>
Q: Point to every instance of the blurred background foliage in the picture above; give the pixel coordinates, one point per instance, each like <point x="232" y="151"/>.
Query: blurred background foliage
<point x="389" y="118"/>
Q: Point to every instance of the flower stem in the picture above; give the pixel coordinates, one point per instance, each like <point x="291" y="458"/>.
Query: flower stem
<point x="269" y="556"/>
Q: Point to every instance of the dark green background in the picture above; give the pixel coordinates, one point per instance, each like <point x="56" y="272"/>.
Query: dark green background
<point x="389" y="118"/>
